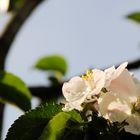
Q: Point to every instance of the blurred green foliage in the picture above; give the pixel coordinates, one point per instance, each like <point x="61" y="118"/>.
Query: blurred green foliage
<point x="53" y="63"/>
<point x="14" y="90"/>
<point x="135" y="16"/>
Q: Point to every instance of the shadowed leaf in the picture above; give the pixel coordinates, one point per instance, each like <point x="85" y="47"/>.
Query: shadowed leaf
<point x="31" y="125"/>
<point x="14" y="90"/>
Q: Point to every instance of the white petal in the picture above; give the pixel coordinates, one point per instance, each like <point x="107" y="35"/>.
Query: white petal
<point x="72" y="105"/>
<point x="137" y="83"/>
<point x="112" y="73"/>
<point x="74" y="89"/>
<point x="67" y="107"/>
<point x="124" y="84"/>
<point x="104" y="102"/>
<point x="115" y="107"/>
<point x="99" y="81"/>
<point x="109" y="75"/>
<point x="120" y="69"/>
<point x="134" y="124"/>
<point x="118" y="111"/>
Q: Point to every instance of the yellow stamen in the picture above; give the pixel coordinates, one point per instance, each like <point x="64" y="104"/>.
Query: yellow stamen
<point x="88" y="75"/>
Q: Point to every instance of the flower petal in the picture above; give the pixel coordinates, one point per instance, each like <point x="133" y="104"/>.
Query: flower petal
<point x="99" y="81"/>
<point x="110" y="72"/>
<point x="123" y="84"/>
<point x="115" y="107"/>
<point x="134" y="124"/>
<point x="73" y="90"/>
<point x="118" y="111"/>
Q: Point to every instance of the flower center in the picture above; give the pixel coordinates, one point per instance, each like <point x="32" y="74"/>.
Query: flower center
<point x="88" y="77"/>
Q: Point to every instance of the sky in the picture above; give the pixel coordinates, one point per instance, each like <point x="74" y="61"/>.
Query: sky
<point x="91" y="33"/>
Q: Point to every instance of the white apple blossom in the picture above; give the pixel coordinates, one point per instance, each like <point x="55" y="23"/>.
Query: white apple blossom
<point x="134" y="124"/>
<point x="81" y="90"/>
<point x="120" y="102"/>
<point x="114" y="92"/>
<point x="114" y="107"/>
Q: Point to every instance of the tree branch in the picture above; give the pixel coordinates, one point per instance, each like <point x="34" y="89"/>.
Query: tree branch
<point x="9" y="35"/>
<point x="134" y="64"/>
<point x="14" y="26"/>
<point x="46" y="93"/>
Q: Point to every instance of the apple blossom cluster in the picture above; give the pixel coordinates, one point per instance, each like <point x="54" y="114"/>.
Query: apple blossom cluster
<point x="114" y="92"/>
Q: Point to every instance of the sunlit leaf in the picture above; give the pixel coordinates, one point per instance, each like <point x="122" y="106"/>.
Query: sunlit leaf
<point x="53" y="62"/>
<point x="14" y="90"/>
<point x="61" y="127"/>
<point x="75" y="115"/>
<point x="134" y="16"/>
<point x="55" y="127"/>
<point x="31" y="125"/>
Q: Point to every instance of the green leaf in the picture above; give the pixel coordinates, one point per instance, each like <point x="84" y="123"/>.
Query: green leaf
<point x="74" y="128"/>
<point x="31" y="125"/>
<point x="76" y="116"/>
<point x="55" y="127"/>
<point x="53" y="62"/>
<point x="62" y="126"/>
<point x="14" y="90"/>
<point x="134" y="16"/>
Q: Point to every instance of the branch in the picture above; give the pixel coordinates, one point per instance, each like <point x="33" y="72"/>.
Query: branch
<point x="134" y="64"/>
<point x="46" y="93"/>
<point x="14" y="26"/>
<point x="9" y="35"/>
